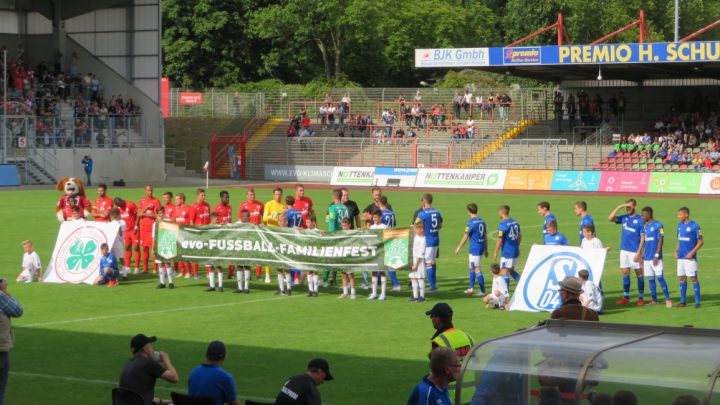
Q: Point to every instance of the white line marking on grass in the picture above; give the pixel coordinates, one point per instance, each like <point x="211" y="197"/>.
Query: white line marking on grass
<point x="164" y="311"/>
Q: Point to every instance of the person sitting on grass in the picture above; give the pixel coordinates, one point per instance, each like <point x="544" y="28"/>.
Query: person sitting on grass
<point x="109" y="271"/>
<point x="499" y="295"/>
<point x="31" y="267"/>
<point x="591" y="296"/>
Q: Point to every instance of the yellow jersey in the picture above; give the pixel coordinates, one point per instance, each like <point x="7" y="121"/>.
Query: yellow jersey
<point x="272" y="211"/>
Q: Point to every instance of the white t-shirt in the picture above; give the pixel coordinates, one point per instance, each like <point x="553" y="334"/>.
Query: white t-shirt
<point x="594" y="243"/>
<point x="31" y="262"/>
<point x="591" y="296"/>
<point x="499" y="284"/>
<point x="378" y="226"/>
<point x="419" y="245"/>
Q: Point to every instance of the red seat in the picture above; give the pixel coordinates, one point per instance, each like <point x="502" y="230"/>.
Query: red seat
<point x="634" y="154"/>
<point x="651" y="166"/>
<point x="635" y="160"/>
<point x="716" y="167"/>
<point x="604" y="166"/>
<point x="683" y="167"/>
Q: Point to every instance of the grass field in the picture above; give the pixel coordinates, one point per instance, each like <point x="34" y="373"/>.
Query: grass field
<point x="73" y="339"/>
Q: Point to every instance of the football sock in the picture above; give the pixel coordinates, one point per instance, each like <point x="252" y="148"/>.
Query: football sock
<point x="683" y="292"/>
<point x="431" y="276"/>
<point x="326" y="275"/>
<point x="281" y="284"/>
<point x="288" y="281"/>
<point x="162" y="276"/>
<point x="345" y="290"/>
<point x="664" y="287"/>
<point x="414" y="283"/>
<point x="480" y="280"/>
<point x="374" y="285"/>
<point x="641" y="287"/>
<point x="169" y="274"/>
<point x="128" y="255"/>
<point x="421" y="287"/>
<point x="195" y="269"/>
<point x="383" y="283"/>
<point x="310" y="283"/>
<point x="124" y="271"/>
<point x="471" y="283"/>
<point x="316" y="279"/>
<point x="220" y="279"/>
<point x="258" y="271"/>
<point x="626" y="286"/>
<point x="507" y="279"/>
<point x="247" y="279"/>
<point x="653" y="288"/>
<point x="393" y="278"/>
<point x="146" y="258"/>
<point x="365" y="277"/>
<point x="209" y="269"/>
<point x="267" y="272"/>
<point x="239" y="277"/>
<point x="515" y="275"/>
<point x="696" y="290"/>
<point x="231" y="271"/>
<point x="137" y="258"/>
<point x="352" y="291"/>
<point x="212" y="280"/>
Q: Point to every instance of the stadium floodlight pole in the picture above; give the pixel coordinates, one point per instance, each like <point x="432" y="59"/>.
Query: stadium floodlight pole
<point x="5" y="104"/>
<point x="677" y="20"/>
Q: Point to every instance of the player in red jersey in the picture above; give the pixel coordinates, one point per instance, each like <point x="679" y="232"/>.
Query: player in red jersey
<point x="303" y="204"/>
<point x="225" y="213"/>
<point x="255" y="208"/>
<point x="129" y="214"/>
<point x="103" y="204"/>
<point x="183" y="215"/>
<point x="147" y="212"/>
<point x="202" y="217"/>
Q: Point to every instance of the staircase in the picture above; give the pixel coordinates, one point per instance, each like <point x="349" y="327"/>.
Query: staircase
<point x="31" y="172"/>
<point x="270" y="128"/>
<point x="498" y="143"/>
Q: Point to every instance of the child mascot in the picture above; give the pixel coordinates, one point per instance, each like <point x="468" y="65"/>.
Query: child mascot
<point x="73" y="196"/>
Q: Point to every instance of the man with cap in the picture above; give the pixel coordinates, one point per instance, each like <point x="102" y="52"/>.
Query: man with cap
<point x="572" y="308"/>
<point x="211" y="380"/>
<point x="302" y="389"/>
<point x="433" y="389"/>
<point x="146" y="366"/>
<point x="446" y="334"/>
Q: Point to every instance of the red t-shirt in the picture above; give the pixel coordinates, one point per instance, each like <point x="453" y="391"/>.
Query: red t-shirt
<point x="304" y="205"/>
<point x="256" y="211"/>
<point x="148" y="205"/>
<point x="225" y="213"/>
<point x="104" y="204"/>
<point x="79" y="201"/>
<point x="129" y="215"/>
<point x="202" y="213"/>
<point x="184" y="214"/>
<point x="169" y="212"/>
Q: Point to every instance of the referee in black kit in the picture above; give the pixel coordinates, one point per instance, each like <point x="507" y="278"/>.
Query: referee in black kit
<point x="302" y="389"/>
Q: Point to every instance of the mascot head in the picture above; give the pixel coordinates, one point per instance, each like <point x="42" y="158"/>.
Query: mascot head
<point x="71" y="186"/>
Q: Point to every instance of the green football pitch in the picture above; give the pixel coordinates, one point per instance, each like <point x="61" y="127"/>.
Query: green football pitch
<point x="73" y="339"/>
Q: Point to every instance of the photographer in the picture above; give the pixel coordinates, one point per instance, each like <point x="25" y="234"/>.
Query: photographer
<point x="146" y="366"/>
<point x="9" y="308"/>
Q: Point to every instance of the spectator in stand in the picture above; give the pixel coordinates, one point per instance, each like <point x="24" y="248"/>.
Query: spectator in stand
<point x="467" y="103"/>
<point x="470" y="124"/>
<point x="457" y="104"/>
<point x="442" y="114"/>
<point x="435" y="114"/>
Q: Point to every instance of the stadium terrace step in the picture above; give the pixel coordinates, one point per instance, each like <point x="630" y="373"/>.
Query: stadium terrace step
<point x="493" y="146"/>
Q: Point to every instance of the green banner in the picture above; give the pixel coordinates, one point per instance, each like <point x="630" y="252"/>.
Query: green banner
<point x="286" y="248"/>
<point x="677" y="183"/>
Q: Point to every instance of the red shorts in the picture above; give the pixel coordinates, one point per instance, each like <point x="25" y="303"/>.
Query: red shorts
<point x="131" y="239"/>
<point x="146" y="239"/>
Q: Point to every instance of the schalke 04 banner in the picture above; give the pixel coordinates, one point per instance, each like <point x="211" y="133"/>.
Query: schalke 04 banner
<point x="287" y="248"/>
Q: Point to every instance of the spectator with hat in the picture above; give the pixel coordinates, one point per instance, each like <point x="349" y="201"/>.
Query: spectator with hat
<point x="146" y="366"/>
<point x="302" y="389"/>
<point x="211" y="380"/>
<point x="572" y="308"/>
<point x="446" y="334"/>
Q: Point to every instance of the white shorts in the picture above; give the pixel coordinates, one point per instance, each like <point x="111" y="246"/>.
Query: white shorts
<point x="27" y="276"/>
<point x="348" y="273"/>
<point x="687" y="267"/>
<point x="431" y="253"/>
<point x="651" y="270"/>
<point x="419" y="273"/>
<point x="495" y="300"/>
<point x="508" y="262"/>
<point x="474" y="261"/>
<point x="627" y="260"/>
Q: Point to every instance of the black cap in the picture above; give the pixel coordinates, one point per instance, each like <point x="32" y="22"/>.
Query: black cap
<point x="440" y="309"/>
<point x="139" y="341"/>
<point x="321" y="364"/>
<point x="215" y="350"/>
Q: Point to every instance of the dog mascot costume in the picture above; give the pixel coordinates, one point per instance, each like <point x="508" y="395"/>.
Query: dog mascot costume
<point x="73" y="196"/>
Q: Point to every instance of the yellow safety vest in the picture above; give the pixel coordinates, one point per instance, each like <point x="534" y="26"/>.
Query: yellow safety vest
<point x="455" y="339"/>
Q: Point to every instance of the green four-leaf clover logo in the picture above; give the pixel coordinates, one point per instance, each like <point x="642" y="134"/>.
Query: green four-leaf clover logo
<point x="81" y="254"/>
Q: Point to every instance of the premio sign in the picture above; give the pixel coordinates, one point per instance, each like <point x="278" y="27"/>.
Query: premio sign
<point x="76" y="257"/>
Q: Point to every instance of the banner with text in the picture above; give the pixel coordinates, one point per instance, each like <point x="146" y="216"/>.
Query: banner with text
<point x="546" y="266"/>
<point x="353" y="176"/>
<point x="528" y="180"/>
<point x="676" y="183"/>
<point x="479" y="179"/>
<point x="76" y="257"/>
<point x="298" y="173"/>
<point x="395" y="176"/>
<point x="288" y="248"/>
<point x="452" y="57"/>
<point x="710" y="183"/>
<point x="571" y="180"/>
<point x="624" y="182"/>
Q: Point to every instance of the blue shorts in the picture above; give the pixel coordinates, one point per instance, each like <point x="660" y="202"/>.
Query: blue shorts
<point x="107" y="277"/>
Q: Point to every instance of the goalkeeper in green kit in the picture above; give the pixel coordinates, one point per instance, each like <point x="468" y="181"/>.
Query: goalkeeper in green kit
<point x="337" y="211"/>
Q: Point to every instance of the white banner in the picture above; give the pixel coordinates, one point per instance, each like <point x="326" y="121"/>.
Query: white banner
<point x="450" y="57"/>
<point x="298" y="173"/>
<point x="710" y="183"/>
<point x="546" y="266"/>
<point x="353" y="176"/>
<point x="76" y="258"/>
<point x="395" y="176"/>
<point x="478" y="179"/>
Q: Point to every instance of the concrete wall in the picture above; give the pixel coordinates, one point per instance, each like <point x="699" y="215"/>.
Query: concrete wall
<point x="135" y="165"/>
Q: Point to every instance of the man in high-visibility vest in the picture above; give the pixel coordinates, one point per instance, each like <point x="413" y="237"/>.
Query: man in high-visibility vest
<point x="446" y="334"/>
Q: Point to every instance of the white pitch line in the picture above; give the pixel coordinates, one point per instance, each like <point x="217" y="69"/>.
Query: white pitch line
<point x="164" y="311"/>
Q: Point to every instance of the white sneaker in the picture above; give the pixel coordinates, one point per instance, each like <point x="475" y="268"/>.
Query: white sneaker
<point x="480" y="294"/>
<point x="324" y="284"/>
<point x="372" y="296"/>
<point x="469" y="291"/>
<point x="341" y="296"/>
<point x="187" y="275"/>
<point x="136" y="271"/>
<point x="395" y="288"/>
<point x="353" y="296"/>
<point x="381" y="297"/>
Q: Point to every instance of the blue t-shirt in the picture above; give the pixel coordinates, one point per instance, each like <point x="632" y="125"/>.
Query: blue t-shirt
<point x="557" y="239"/>
<point x="108" y="261"/>
<point x="549" y="217"/>
<point x="87" y="165"/>
<point x="432" y="220"/>
<point x="509" y="232"/>
<point x="210" y="380"/>
<point x="688" y="235"/>
<point x="631" y="227"/>
<point x="427" y="393"/>
<point x="295" y="219"/>
<point x="388" y="218"/>
<point x="653" y="232"/>
<point x="584" y="221"/>
<point x="475" y="230"/>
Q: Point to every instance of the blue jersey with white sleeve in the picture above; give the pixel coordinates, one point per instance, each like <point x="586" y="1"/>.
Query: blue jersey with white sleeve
<point x="475" y="230"/>
<point x="295" y="219"/>
<point x="549" y="217"/>
<point x="631" y="227"/>
<point x="557" y="239"/>
<point x="688" y="235"/>
<point x="388" y="218"/>
<point x="653" y="232"/>
<point x="585" y="221"/>
<point x="432" y="220"/>
<point x="509" y="232"/>
<point x="108" y="261"/>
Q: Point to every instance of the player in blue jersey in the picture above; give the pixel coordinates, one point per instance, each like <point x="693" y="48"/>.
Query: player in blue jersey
<point x="295" y="220"/>
<point x="690" y="240"/>
<point x="543" y="209"/>
<point x="509" y="238"/>
<point x="476" y="233"/>
<point x="388" y="218"/>
<point x="432" y="220"/>
<point x="652" y="238"/>
<point x="632" y="224"/>
<point x="553" y="237"/>
<point x="109" y="271"/>
<point x="585" y="218"/>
